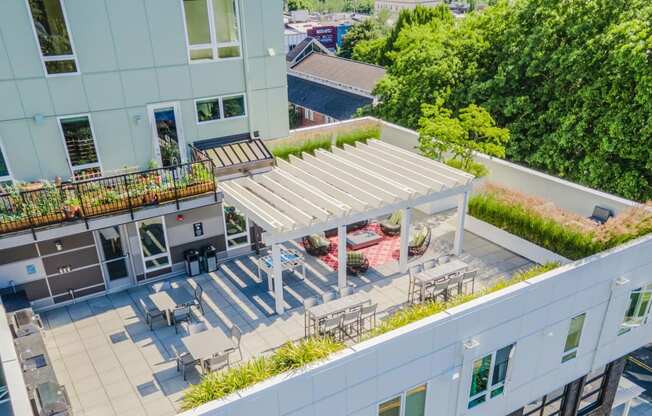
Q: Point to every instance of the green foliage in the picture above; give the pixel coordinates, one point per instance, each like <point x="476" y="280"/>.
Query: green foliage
<point x="329" y="6"/>
<point x="368" y="29"/>
<point x="420" y="311"/>
<point x="362" y="135"/>
<point x="474" y="168"/>
<point x="284" y="151"/>
<point x="369" y="51"/>
<point x="290" y="356"/>
<point x="301" y="5"/>
<point x="294" y="116"/>
<point x="571" y="80"/>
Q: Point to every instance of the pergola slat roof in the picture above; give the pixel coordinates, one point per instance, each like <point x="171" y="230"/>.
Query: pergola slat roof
<point x="333" y="189"/>
<point x="330" y="187"/>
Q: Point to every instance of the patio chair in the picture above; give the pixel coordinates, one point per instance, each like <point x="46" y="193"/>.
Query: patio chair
<point x="469" y="277"/>
<point x="435" y="290"/>
<point x="350" y="323"/>
<point x="197" y="328"/>
<point x="197" y="298"/>
<point x="330" y="327"/>
<point x="414" y="286"/>
<point x="152" y="314"/>
<point x="392" y="225"/>
<point x="184" y="361"/>
<point x="601" y="214"/>
<point x="236" y="336"/>
<point x="181" y="314"/>
<point x="368" y="314"/>
<point x="429" y="264"/>
<point x="307" y="304"/>
<point x="161" y="286"/>
<point x="215" y="363"/>
<point x="328" y="296"/>
<point x="455" y="283"/>
<point x="356" y="262"/>
<point x="419" y="243"/>
<point x="316" y="244"/>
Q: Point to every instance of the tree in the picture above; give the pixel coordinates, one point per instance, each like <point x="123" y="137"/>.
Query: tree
<point x="301" y="5"/>
<point x="368" y="29"/>
<point x="473" y="130"/>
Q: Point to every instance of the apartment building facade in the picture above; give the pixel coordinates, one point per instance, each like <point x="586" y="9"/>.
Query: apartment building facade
<point x="98" y="93"/>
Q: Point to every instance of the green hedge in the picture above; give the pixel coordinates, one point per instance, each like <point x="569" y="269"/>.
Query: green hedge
<point x="474" y="168"/>
<point x="284" y="151"/>
<point x="423" y="310"/>
<point x="360" y="135"/>
<point x="531" y="226"/>
<point x="290" y="356"/>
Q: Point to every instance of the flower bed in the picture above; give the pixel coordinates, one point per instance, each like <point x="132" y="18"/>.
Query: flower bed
<point x="563" y="232"/>
<point x="323" y="139"/>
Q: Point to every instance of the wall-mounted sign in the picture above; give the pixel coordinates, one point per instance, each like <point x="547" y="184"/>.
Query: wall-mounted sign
<point x="326" y="35"/>
<point x="31" y="269"/>
<point x="198" y="229"/>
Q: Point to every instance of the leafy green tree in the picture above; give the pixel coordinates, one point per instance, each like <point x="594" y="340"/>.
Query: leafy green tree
<point x="301" y="5"/>
<point x="369" y="51"/>
<point x="368" y="29"/>
<point x="473" y="130"/>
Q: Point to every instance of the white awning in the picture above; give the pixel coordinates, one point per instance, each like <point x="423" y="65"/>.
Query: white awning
<point x="316" y="193"/>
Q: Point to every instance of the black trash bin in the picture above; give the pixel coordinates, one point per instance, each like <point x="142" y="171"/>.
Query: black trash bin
<point x="193" y="266"/>
<point x="209" y="258"/>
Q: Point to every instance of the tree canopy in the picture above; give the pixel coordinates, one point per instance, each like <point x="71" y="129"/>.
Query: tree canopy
<point x="570" y="79"/>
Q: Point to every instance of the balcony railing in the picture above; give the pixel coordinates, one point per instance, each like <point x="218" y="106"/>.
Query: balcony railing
<point x="82" y="200"/>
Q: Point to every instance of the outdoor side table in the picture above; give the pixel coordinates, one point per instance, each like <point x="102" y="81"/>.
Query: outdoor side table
<point x="290" y="260"/>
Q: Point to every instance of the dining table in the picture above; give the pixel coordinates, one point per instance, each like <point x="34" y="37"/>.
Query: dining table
<point x="427" y="277"/>
<point x="203" y="345"/>
<point x="339" y="305"/>
<point x="169" y="299"/>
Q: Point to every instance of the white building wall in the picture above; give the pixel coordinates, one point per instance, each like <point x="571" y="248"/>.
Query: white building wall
<point x="535" y="315"/>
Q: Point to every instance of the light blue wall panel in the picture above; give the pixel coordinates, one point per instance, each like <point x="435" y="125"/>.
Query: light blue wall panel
<point x="104" y="91"/>
<point x="257" y="75"/>
<point x="174" y="83"/>
<point x="141" y="134"/>
<point x="35" y="96"/>
<point x="112" y="132"/>
<point x="19" y="39"/>
<point x="189" y="121"/>
<point x="252" y="13"/>
<point x="10" y="104"/>
<point x="50" y="149"/>
<point x="91" y="32"/>
<point x="222" y="128"/>
<point x="20" y="151"/>
<point x="140" y="87"/>
<point x="277" y="108"/>
<point x="5" y="67"/>
<point x="217" y="78"/>
<point x="258" y="111"/>
<point x="130" y="33"/>
<point x="276" y="69"/>
<point x="273" y="26"/>
<point x="166" y="26"/>
<point x="68" y="95"/>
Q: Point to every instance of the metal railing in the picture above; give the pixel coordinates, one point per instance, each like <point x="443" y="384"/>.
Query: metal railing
<point x="82" y="200"/>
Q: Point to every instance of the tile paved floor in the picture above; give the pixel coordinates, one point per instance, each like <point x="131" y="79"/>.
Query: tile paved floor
<point x="112" y="364"/>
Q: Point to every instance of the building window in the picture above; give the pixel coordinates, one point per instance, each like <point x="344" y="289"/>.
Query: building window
<point x="309" y="114"/>
<point x="637" y="308"/>
<point x="490" y="368"/>
<point x="153" y="244"/>
<point x="5" y="174"/>
<point x="80" y="147"/>
<point x="549" y="405"/>
<point x="51" y="29"/>
<point x="573" y="337"/>
<point x="410" y="403"/>
<point x="212" y="29"/>
<point x="592" y="391"/>
<point x="237" y="228"/>
<point x="218" y="108"/>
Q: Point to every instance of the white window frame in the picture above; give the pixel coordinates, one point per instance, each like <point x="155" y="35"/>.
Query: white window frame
<point x="214" y="45"/>
<point x="10" y="176"/>
<point x="245" y="233"/>
<point x="151" y="108"/>
<point x="167" y="248"/>
<point x="571" y="354"/>
<point x="627" y="326"/>
<point x="403" y="396"/>
<point x="44" y="59"/>
<point x="74" y="169"/>
<point x="491" y="387"/>
<point x="220" y="102"/>
<point x="309" y="114"/>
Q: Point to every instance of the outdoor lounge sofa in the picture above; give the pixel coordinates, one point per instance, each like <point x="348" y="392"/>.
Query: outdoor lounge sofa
<point x="356" y="262"/>
<point x="419" y="243"/>
<point x="316" y="244"/>
<point x="392" y="225"/>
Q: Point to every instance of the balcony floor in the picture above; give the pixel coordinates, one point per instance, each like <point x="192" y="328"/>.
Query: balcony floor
<point x="112" y="364"/>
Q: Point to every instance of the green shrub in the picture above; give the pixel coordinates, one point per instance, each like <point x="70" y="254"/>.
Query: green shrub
<point x="283" y="151"/>
<point x="360" y="135"/>
<point x="290" y="356"/>
<point x="520" y="221"/>
<point x="420" y="311"/>
<point x="474" y="168"/>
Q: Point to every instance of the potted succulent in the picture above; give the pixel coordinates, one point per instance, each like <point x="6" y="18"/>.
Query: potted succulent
<point x="72" y="208"/>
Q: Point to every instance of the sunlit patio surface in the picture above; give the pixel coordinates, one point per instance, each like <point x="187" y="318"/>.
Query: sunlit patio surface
<point x="112" y="364"/>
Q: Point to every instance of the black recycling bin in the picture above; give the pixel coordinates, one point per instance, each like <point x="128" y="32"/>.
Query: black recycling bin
<point x="209" y="257"/>
<point x="193" y="267"/>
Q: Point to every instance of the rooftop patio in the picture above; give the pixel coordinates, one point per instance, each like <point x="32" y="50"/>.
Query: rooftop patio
<point x="111" y="363"/>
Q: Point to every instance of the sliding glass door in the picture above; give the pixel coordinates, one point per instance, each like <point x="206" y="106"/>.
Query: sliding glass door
<point x="154" y="244"/>
<point x="114" y="256"/>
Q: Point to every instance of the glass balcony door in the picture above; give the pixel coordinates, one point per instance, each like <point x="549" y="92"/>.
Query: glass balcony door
<point x="169" y="145"/>
<point x="114" y="256"/>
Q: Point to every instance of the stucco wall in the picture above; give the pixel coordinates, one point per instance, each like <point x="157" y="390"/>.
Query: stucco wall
<point x="535" y="315"/>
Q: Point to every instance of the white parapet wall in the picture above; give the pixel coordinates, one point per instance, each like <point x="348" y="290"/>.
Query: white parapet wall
<point x="13" y="371"/>
<point x="440" y="350"/>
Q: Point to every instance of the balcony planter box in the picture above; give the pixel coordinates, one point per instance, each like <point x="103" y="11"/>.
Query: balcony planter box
<point x="192" y="190"/>
<point x="16" y="225"/>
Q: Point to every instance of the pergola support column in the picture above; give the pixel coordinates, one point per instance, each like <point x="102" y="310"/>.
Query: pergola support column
<point x="461" y="216"/>
<point x="406" y="221"/>
<point x="341" y="256"/>
<point x="278" y="278"/>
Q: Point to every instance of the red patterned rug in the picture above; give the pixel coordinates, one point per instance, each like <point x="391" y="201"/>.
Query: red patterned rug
<point x="384" y="252"/>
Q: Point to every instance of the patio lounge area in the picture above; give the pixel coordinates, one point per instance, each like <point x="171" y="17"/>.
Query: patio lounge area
<point x="110" y="362"/>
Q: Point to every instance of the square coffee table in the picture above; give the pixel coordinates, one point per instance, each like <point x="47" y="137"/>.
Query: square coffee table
<point x="362" y="239"/>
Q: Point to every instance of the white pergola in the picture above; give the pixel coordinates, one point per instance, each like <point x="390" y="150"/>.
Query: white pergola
<point x="312" y="194"/>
